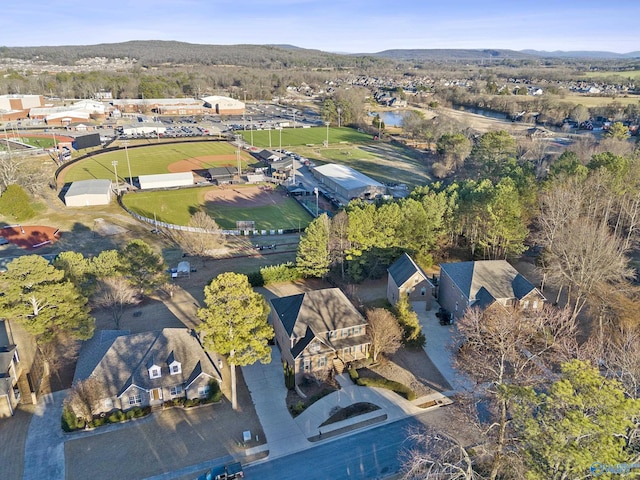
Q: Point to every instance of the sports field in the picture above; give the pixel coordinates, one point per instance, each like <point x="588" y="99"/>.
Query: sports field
<point x="292" y="137"/>
<point x="270" y="209"/>
<point x="154" y="159"/>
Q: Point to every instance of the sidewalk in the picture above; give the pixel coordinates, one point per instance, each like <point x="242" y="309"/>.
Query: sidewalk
<point x="44" y="447"/>
<point x="286" y="435"/>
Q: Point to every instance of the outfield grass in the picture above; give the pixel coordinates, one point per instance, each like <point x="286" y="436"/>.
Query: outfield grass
<point x="292" y="137"/>
<point x="177" y="207"/>
<point x="39" y="142"/>
<point x="148" y="160"/>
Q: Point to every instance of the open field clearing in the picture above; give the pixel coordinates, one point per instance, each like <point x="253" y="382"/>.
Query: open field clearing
<point x="632" y="74"/>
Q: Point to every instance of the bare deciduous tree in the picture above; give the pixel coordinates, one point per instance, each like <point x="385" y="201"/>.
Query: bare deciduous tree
<point x="500" y="348"/>
<point x="201" y="243"/>
<point x="114" y="293"/>
<point x="384" y="331"/>
<point x="84" y="397"/>
<point x="437" y="456"/>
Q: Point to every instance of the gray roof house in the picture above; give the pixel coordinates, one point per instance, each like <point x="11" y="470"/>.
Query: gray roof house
<point x="146" y="368"/>
<point x="485" y="283"/>
<point x="405" y="277"/>
<point x="319" y="330"/>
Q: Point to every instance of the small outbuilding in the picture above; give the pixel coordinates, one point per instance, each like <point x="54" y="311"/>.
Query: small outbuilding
<point x="86" y="193"/>
<point x="166" y="180"/>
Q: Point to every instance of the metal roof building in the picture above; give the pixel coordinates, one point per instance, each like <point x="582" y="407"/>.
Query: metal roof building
<point x="347" y="182"/>
<point x="86" y="193"/>
<point x="166" y="180"/>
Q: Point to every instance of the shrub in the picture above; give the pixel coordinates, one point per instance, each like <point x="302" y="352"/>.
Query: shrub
<point x="129" y="414"/>
<point x="117" y="417"/>
<point x="191" y="402"/>
<point x="69" y="420"/>
<point x="297" y="409"/>
<point x="353" y="373"/>
<point x="97" y="422"/>
<point x="255" y="279"/>
<point x="289" y="376"/>
<point x="397" y="387"/>
<point x="215" y="394"/>
<point x="285" y="272"/>
<point x="14" y="202"/>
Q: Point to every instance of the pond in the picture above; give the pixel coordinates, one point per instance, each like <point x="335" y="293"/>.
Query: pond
<point x="390" y="119"/>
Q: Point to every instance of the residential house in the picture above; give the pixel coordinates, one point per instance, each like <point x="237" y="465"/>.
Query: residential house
<point x="483" y="284"/>
<point x="319" y="330"/>
<point x="21" y="368"/>
<point x="146" y="368"/>
<point x="405" y="277"/>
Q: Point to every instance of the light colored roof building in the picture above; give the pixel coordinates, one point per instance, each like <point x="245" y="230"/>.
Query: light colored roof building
<point x="166" y="180"/>
<point x="85" y="193"/>
<point x="347" y="182"/>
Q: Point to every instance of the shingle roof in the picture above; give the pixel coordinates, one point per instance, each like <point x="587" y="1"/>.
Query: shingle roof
<point x="497" y="277"/>
<point x="403" y="269"/>
<point x="321" y="310"/>
<point x="119" y="360"/>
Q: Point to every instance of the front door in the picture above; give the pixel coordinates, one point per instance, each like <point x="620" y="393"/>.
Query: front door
<point x="155" y="394"/>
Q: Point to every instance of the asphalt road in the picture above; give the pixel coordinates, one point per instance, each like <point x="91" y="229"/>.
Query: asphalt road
<point x="371" y="454"/>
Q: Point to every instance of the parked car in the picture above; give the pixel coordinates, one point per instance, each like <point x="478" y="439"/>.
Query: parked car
<point x="229" y="472"/>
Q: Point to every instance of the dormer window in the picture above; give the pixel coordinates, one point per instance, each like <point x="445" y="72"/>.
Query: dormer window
<point x="174" y="365"/>
<point x="154" y="372"/>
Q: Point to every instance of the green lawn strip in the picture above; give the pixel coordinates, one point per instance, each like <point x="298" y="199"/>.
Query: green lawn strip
<point x="152" y="159"/>
<point x="177" y="207"/>
<point x="39" y="142"/>
<point x="305" y="136"/>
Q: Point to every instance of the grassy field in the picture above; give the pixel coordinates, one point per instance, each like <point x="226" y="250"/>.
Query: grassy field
<point x="292" y="137"/>
<point x="39" y="142"/>
<point x="177" y="207"/>
<point x="591" y="101"/>
<point x="633" y="74"/>
<point x="152" y="159"/>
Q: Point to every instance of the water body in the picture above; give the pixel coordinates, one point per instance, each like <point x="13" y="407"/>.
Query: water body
<point x="390" y="119"/>
<point x="480" y="111"/>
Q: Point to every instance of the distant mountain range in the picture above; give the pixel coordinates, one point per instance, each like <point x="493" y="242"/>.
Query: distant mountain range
<point x="582" y="54"/>
<point x="156" y="52"/>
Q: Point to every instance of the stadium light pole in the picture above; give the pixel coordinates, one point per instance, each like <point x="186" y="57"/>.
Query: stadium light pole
<point x="115" y="170"/>
<point x="327" y="124"/>
<point x="126" y="152"/>
<point x="251" y="120"/>
<point x="315" y="190"/>
<point x="269" y="137"/>
<point x="339" y="115"/>
<point x="238" y="156"/>
<point x="280" y="138"/>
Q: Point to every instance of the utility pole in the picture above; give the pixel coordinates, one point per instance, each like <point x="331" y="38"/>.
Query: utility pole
<point x="238" y="156"/>
<point x="315" y="190"/>
<point x="269" y="137"/>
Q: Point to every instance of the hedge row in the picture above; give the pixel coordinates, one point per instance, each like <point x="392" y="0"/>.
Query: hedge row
<point x="285" y="272"/>
<point x="70" y="422"/>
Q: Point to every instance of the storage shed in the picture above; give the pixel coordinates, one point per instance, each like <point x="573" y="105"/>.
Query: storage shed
<point x="86" y="193"/>
<point x="166" y="180"/>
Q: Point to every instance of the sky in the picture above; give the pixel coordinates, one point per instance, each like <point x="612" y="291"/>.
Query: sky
<point x="350" y="26"/>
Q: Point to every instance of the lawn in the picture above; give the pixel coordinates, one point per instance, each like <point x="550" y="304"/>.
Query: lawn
<point x="305" y="136"/>
<point x="39" y="142"/>
<point x="591" y="101"/>
<point x="177" y="207"/>
<point x="150" y="159"/>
